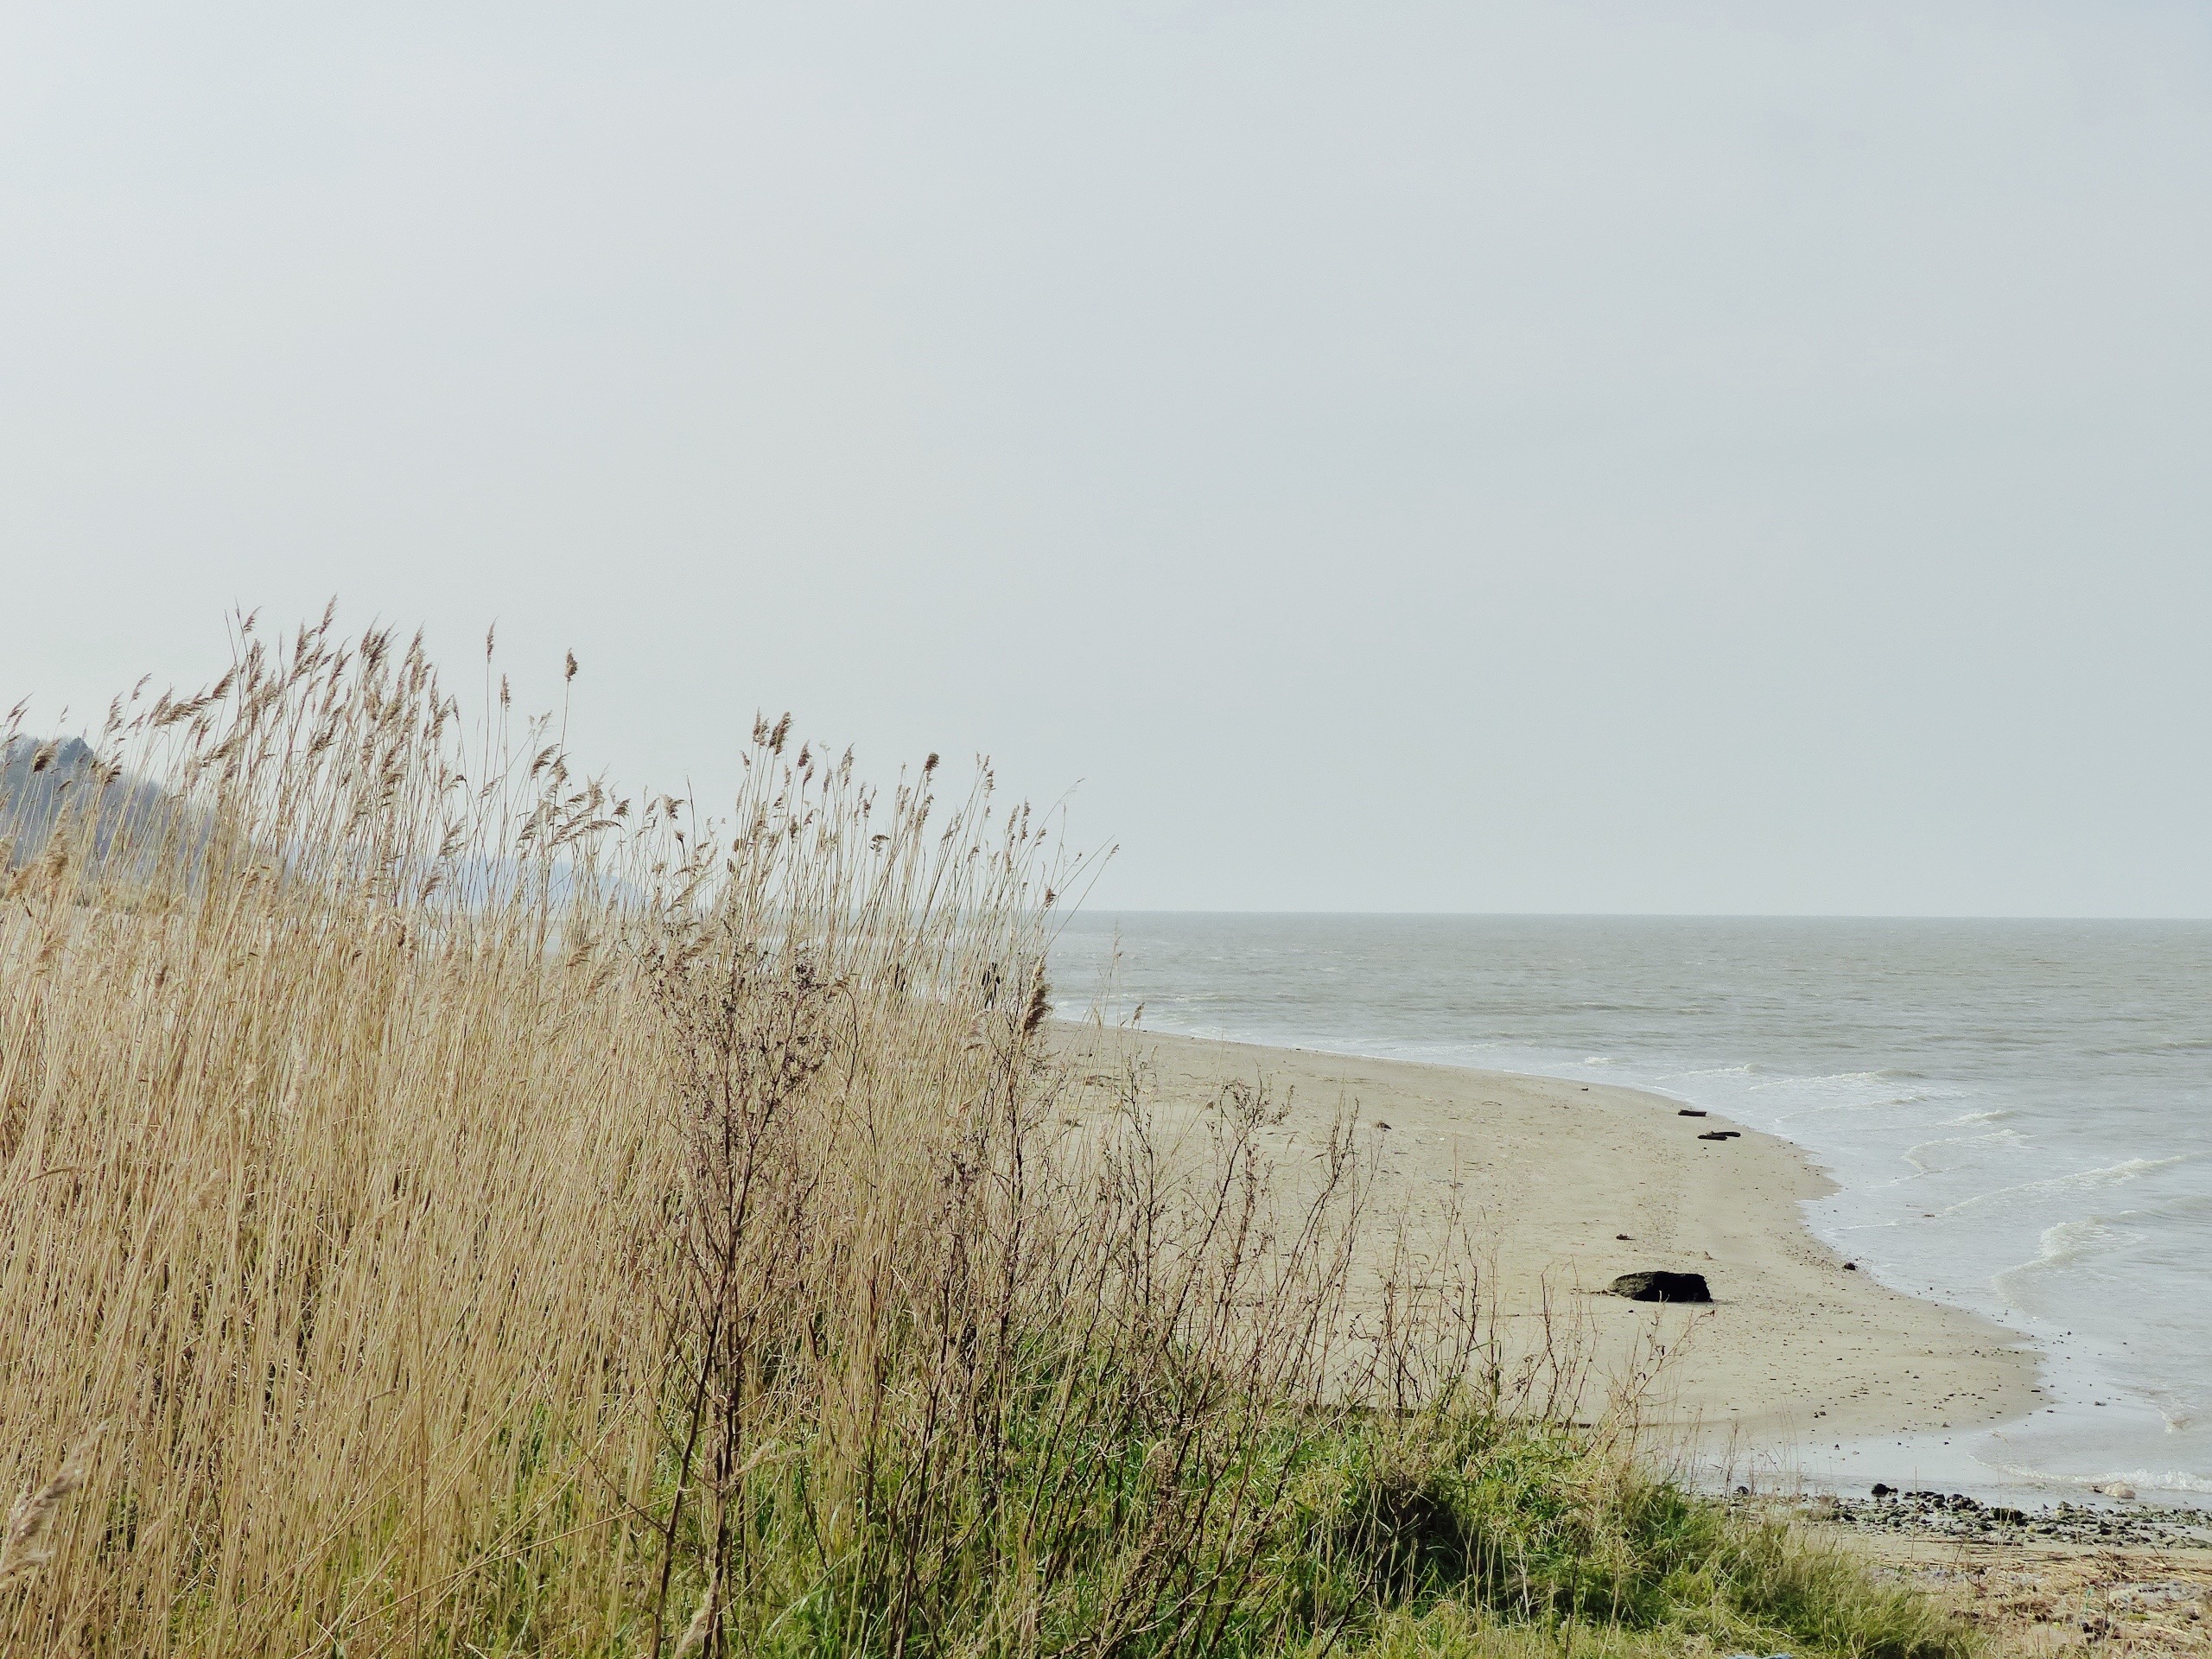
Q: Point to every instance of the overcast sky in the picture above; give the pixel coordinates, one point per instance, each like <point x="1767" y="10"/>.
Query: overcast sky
<point x="1730" y="458"/>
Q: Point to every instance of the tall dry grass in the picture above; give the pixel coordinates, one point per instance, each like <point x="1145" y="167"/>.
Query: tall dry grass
<point x="447" y="1207"/>
<point x="467" y="1206"/>
<point x="328" y="1132"/>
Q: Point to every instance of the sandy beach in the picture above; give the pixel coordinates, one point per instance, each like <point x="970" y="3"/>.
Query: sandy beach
<point x="1796" y="1346"/>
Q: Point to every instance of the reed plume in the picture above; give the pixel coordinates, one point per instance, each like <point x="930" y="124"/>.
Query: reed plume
<point x="23" y="1550"/>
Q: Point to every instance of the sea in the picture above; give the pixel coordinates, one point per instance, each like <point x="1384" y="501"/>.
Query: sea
<point x="2016" y="1114"/>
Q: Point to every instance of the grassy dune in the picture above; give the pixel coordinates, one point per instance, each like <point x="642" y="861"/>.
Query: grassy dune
<point x="448" y="1208"/>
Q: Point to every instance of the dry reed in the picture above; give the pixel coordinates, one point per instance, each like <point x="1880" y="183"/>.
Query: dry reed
<point x="488" y="1215"/>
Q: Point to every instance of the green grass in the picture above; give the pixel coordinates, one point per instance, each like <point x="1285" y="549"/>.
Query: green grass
<point x="1471" y="1534"/>
<point x="1447" y="1532"/>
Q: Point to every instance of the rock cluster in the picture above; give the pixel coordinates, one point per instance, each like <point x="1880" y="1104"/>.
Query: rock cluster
<point x="1955" y="1515"/>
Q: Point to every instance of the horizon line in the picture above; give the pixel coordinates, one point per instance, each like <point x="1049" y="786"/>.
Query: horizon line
<point x="1650" y="915"/>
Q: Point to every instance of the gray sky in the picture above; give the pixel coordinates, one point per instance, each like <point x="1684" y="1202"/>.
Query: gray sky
<point x="1745" y="458"/>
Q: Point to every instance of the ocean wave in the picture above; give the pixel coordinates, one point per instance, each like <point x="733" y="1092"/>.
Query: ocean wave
<point x="1807" y="1098"/>
<point x="1875" y="1073"/>
<point x="2167" y="1480"/>
<point x="2007" y="1137"/>
<point x="1881" y="1077"/>
<point x="1814" y="1109"/>
<point x="2111" y="1175"/>
<point x="2062" y="1245"/>
<point x="1819" y="1080"/>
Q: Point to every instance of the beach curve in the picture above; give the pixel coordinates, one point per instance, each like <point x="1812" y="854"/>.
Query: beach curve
<point x="1798" y="1348"/>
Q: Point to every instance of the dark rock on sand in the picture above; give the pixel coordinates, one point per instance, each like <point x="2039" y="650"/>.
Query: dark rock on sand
<point x="1660" y="1285"/>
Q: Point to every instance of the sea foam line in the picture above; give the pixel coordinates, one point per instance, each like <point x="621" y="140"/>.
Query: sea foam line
<point x="2111" y="1175"/>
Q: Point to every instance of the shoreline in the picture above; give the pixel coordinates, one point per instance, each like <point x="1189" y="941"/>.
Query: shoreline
<point x="1799" y="1356"/>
